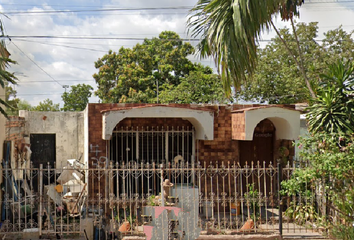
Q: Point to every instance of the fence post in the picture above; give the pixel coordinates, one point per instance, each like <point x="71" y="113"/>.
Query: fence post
<point x="40" y="199"/>
<point x="280" y="173"/>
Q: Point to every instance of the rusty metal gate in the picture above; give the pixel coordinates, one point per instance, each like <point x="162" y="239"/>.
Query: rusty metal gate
<point x="218" y="198"/>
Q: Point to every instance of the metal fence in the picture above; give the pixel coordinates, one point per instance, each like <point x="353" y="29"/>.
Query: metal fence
<point x="214" y="198"/>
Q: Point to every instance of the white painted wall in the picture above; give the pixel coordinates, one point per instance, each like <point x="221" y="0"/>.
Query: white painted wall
<point x="203" y="121"/>
<point x="69" y="130"/>
<point x="286" y="122"/>
<point x="2" y="125"/>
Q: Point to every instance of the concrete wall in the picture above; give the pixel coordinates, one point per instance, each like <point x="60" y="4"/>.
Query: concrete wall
<point x="68" y="128"/>
<point x="2" y="125"/>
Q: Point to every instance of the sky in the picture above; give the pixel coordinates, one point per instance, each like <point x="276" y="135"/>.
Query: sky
<point x="76" y="33"/>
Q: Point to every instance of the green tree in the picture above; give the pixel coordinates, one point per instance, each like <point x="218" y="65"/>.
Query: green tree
<point x="278" y="80"/>
<point x="24" y="105"/>
<point x="11" y="99"/>
<point x="328" y="154"/>
<point x="46" y="105"/>
<point x="199" y="86"/>
<point x="5" y="76"/>
<point x="137" y="72"/>
<point x="230" y="30"/>
<point x="77" y="98"/>
<point x="332" y="110"/>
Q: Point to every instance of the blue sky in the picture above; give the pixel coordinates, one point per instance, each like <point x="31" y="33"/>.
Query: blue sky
<point x="45" y="65"/>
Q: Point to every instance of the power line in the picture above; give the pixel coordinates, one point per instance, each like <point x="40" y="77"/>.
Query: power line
<point x="98" y="10"/>
<point x="49" y="81"/>
<point x="93" y="38"/>
<point x="36" y="64"/>
<point x="117" y="38"/>
<point x="60" y="45"/>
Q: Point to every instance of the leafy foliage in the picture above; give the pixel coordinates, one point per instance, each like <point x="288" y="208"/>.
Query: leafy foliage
<point x="161" y="60"/>
<point x="24" y="105"/>
<point x="229" y="32"/>
<point x="77" y="98"/>
<point x="46" y="105"/>
<point x="332" y="110"/>
<point x="199" y="86"/>
<point x="11" y="99"/>
<point x="5" y="76"/>
<point x="329" y="159"/>
<point x="278" y="80"/>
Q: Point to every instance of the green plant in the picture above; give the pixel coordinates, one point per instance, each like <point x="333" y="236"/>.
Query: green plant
<point x="327" y="181"/>
<point x="301" y="213"/>
<point x="151" y="201"/>
<point x="252" y="197"/>
<point x="343" y="232"/>
<point x="125" y="215"/>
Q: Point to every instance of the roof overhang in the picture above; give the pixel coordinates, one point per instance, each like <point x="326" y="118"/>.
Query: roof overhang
<point x="285" y="120"/>
<point x="202" y="120"/>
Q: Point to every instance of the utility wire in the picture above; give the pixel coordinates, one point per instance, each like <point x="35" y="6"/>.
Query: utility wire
<point x="98" y="10"/>
<point x="36" y="63"/>
<point x="67" y="46"/>
<point x="118" y="38"/>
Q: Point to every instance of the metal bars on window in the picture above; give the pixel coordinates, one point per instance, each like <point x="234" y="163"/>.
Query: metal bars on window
<point x="149" y="144"/>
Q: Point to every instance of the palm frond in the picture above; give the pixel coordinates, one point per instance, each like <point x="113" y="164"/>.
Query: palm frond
<point x="229" y="31"/>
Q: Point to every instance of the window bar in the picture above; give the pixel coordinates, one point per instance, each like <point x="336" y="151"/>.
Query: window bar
<point x="166" y="145"/>
<point x="173" y="143"/>
<point x="122" y="150"/>
<point x="152" y="144"/>
<point x="148" y="134"/>
<point x="183" y="148"/>
<point x="158" y="145"/>
<point x="178" y="150"/>
<point x="132" y="145"/>
<point x="117" y="147"/>
<point x="137" y="145"/>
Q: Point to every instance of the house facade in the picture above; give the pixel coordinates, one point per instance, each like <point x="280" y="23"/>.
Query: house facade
<point x="197" y="134"/>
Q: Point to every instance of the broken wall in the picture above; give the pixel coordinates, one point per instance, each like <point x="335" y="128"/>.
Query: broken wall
<point x="68" y="128"/>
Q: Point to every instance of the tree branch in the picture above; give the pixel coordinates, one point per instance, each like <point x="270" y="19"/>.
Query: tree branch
<point x="293" y="56"/>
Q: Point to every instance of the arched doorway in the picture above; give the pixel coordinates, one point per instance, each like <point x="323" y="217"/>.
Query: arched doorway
<point x="261" y="148"/>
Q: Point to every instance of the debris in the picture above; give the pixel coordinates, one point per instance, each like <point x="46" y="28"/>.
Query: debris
<point x="59" y="188"/>
<point x="248" y="226"/>
<point x="70" y="190"/>
<point x="125" y="227"/>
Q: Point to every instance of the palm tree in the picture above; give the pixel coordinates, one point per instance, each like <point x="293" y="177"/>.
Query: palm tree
<point x="5" y="76"/>
<point x="332" y="109"/>
<point x="230" y="29"/>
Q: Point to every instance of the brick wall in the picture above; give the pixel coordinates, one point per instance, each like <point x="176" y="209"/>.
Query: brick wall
<point x="15" y="128"/>
<point x="221" y="149"/>
<point x="238" y="126"/>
